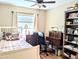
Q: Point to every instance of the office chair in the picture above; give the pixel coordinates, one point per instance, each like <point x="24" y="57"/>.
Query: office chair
<point x="42" y="42"/>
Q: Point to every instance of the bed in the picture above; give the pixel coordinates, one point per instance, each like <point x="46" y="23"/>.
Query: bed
<point x="13" y="45"/>
<point x="17" y="49"/>
<point x="26" y="53"/>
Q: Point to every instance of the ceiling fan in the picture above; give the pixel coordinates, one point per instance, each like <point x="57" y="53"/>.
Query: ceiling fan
<point x="41" y="2"/>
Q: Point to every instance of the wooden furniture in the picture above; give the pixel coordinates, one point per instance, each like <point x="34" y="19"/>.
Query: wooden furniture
<point x="70" y="46"/>
<point x="26" y="53"/>
<point x="56" y="39"/>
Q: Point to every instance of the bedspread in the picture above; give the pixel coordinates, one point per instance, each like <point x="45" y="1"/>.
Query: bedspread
<point x="13" y="45"/>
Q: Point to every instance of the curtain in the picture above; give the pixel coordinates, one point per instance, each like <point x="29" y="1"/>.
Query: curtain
<point x="36" y="23"/>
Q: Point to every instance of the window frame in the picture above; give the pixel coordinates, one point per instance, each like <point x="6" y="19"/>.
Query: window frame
<point x="26" y="14"/>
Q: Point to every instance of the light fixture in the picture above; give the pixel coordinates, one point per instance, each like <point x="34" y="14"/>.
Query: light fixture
<point x="12" y="17"/>
<point x="55" y="28"/>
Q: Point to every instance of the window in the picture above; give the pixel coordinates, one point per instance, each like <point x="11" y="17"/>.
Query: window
<point x="25" y="23"/>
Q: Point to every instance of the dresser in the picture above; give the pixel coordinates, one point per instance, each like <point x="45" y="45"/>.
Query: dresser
<point x="56" y="39"/>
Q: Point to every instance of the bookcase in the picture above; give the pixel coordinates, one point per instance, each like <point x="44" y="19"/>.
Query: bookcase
<point x="70" y="46"/>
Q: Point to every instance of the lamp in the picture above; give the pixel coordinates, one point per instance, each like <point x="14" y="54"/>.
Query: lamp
<point x="26" y="26"/>
<point x="26" y="29"/>
<point x="56" y="28"/>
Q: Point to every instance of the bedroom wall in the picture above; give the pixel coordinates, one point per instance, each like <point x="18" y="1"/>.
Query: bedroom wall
<point x="56" y="17"/>
<point x="6" y="15"/>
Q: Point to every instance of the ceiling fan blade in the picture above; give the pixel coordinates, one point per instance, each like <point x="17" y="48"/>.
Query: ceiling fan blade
<point x="49" y="2"/>
<point x="30" y="1"/>
<point x="33" y="5"/>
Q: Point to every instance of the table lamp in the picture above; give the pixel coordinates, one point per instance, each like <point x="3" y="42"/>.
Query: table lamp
<point x="55" y="28"/>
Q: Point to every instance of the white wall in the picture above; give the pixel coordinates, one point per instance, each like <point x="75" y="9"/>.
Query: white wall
<point x="6" y="15"/>
<point x="46" y="19"/>
<point x="42" y="21"/>
<point x="56" y="17"/>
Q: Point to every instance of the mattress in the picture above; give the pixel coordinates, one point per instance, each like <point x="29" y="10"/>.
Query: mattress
<point x="14" y="45"/>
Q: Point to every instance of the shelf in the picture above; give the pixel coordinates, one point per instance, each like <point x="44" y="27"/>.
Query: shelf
<point x="71" y="42"/>
<point x="72" y="18"/>
<point x="72" y="25"/>
<point x="71" y="49"/>
<point x="72" y="34"/>
<point x="66" y="55"/>
<point x="71" y="11"/>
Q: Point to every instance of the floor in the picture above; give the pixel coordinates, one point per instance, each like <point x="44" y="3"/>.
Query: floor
<point x="50" y="56"/>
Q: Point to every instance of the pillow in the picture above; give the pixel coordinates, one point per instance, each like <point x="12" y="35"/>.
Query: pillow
<point x="1" y="35"/>
<point x="8" y="36"/>
<point x="4" y="34"/>
<point x="15" y="36"/>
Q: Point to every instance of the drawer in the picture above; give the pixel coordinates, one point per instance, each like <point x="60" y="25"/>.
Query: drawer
<point x="56" y="42"/>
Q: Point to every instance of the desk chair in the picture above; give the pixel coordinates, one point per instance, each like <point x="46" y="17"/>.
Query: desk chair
<point x="42" y="42"/>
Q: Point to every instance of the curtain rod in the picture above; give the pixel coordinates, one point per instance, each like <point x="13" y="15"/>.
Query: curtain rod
<point x="27" y="13"/>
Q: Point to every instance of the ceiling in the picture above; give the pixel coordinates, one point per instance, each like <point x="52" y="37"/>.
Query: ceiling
<point x="28" y="4"/>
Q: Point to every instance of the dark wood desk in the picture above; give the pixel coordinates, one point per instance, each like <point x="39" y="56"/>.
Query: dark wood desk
<point x="56" y="39"/>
